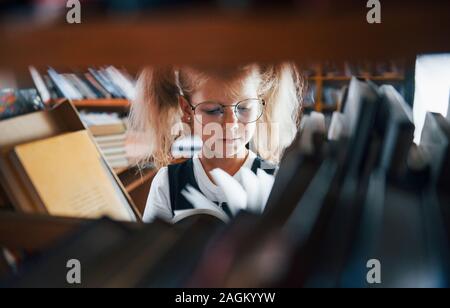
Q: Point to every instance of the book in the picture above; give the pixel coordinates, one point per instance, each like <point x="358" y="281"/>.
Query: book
<point x="105" y="83"/>
<point x="312" y="124"/>
<point x="111" y="145"/>
<point x="101" y="91"/>
<point x="114" y="152"/>
<point x="435" y="142"/>
<point x="15" y="103"/>
<point x="103" y="124"/>
<point x="338" y="127"/>
<point x="54" y="92"/>
<point x="398" y="132"/>
<point x="112" y="138"/>
<point x="108" y="129"/>
<point x="66" y="88"/>
<point x="71" y="178"/>
<point x="121" y="82"/>
<point x="106" y="76"/>
<point x="40" y="84"/>
<point x="448" y="109"/>
<point x="118" y="163"/>
<point x="81" y="86"/>
<point x="182" y="215"/>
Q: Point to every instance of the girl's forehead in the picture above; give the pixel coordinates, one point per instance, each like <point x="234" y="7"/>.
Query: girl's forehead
<point x="225" y="91"/>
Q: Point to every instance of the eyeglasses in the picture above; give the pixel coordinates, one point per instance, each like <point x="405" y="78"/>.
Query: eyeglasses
<point x="246" y="111"/>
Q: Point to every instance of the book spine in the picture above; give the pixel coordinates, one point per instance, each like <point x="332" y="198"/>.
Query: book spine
<point x="40" y="84"/>
<point x="109" y="78"/>
<point x="121" y="82"/>
<point x="86" y="90"/>
<point x="64" y="86"/>
<point x="104" y="82"/>
<point x="94" y="83"/>
<point x="54" y="91"/>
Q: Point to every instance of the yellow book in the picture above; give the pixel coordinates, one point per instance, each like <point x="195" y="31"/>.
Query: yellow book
<point x="71" y="178"/>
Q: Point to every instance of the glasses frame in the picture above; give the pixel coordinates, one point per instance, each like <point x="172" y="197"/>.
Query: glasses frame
<point x="193" y="108"/>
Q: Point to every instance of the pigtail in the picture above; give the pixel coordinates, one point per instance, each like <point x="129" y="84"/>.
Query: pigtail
<point x="282" y="89"/>
<point x="155" y="113"/>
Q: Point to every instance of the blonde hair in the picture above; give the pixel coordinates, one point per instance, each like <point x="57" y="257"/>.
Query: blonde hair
<point x="156" y="115"/>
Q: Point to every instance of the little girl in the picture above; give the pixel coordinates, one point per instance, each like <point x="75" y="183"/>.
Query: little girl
<point x="245" y="117"/>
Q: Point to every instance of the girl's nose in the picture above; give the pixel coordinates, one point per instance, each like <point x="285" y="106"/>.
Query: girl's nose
<point x="229" y="117"/>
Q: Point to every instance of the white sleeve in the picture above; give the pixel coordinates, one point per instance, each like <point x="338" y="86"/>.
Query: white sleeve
<point x="158" y="202"/>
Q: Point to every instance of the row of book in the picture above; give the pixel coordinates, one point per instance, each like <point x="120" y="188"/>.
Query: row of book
<point x="332" y="95"/>
<point x="330" y="69"/>
<point x="345" y="198"/>
<point x="364" y="68"/>
<point x="103" y="83"/>
<point x="110" y="134"/>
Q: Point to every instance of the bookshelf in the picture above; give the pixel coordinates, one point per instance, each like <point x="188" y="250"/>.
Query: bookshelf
<point x="318" y="80"/>
<point x="98" y="103"/>
<point x="213" y="38"/>
<point x="35" y="233"/>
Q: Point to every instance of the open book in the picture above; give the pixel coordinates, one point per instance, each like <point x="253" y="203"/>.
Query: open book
<point x="66" y="176"/>
<point x="250" y="193"/>
<point x="185" y="214"/>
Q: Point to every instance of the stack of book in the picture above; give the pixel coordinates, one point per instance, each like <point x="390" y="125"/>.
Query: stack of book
<point x="109" y="131"/>
<point x="104" y="83"/>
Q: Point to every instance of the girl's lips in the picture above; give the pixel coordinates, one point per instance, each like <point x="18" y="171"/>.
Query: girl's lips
<point x="230" y="140"/>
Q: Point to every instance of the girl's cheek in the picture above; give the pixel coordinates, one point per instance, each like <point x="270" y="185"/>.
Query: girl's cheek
<point x="249" y="131"/>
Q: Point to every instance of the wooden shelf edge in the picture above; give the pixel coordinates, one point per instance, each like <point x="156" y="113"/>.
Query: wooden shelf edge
<point x="345" y="78"/>
<point x="86" y="103"/>
<point x="141" y="180"/>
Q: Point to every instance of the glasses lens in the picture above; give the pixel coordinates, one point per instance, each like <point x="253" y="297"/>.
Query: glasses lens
<point x="208" y="112"/>
<point x="249" y="110"/>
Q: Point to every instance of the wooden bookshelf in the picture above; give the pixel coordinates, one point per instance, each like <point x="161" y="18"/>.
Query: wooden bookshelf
<point x="347" y="78"/>
<point x="320" y="80"/>
<point x="97" y="103"/>
<point x="34" y="232"/>
<point x="218" y="39"/>
<point x="137" y="183"/>
<point x="102" y="103"/>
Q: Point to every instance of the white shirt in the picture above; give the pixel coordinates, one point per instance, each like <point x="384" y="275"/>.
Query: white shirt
<point x="158" y="202"/>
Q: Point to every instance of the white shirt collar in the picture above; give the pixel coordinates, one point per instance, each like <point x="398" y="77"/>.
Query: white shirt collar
<point x="207" y="187"/>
